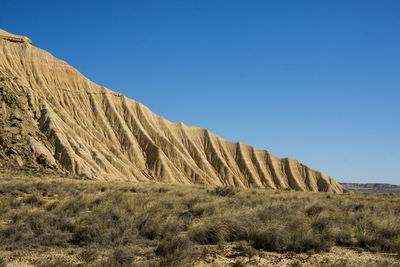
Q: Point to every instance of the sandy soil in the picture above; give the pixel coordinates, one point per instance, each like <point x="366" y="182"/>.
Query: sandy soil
<point x="215" y="256"/>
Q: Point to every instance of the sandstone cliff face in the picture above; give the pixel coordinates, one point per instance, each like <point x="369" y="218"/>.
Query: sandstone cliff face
<point x="53" y="116"/>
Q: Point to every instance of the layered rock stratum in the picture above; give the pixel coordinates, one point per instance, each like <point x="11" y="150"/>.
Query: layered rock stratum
<point x="53" y="117"/>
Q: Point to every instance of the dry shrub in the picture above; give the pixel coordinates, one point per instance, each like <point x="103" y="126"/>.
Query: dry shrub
<point x="33" y="199"/>
<point x="88" y="255"/>
<point x="315" y="210"/>
<point x="200" y="209"/>
<point x="246" y="250"/>
<point x="308" y="242"/>
<point x="172" y="226"/>
<point x="148" y="226"/>
<point x="217" y="231"/>
<point x="84" y="235"/>
<point x="341" y="235"/>
<point x="224" y="191"/>
<point x="269" y="239"/>
<point x="289" y="238"/>
<point x="119" y="257"/>
<point x="319" y="225"/>
<point x="379" y="234"/>
<point x="173" y="250"/>
<point x="207" y="233"/>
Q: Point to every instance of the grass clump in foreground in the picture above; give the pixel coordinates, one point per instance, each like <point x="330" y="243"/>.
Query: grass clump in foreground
<point x="168" y="224"/>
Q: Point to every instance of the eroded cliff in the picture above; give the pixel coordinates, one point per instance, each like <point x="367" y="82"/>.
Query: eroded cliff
<point x="53" y="117"/>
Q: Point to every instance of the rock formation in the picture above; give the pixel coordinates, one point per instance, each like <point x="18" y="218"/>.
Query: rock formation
<point x="53" y="117"/>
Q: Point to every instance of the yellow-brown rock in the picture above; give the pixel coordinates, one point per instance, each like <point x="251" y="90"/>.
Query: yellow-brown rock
<point x="52" y="115"/>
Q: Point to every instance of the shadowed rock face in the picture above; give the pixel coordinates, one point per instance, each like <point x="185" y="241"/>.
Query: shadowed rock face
<point x="53" y="116"/>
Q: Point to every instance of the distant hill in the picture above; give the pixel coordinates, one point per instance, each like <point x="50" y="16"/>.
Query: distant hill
<point x="372" y="187"/>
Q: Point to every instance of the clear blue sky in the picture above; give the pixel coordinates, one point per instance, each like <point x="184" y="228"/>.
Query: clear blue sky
<point x="318" y="81"/>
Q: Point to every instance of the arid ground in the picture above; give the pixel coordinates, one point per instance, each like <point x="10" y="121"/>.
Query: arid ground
<point x="49" y="220"/>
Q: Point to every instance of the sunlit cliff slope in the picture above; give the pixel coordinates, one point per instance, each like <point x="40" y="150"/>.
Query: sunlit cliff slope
<point x="51" y="116"/>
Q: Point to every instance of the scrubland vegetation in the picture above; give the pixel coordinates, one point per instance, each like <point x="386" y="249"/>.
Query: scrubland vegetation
<point x="161" y="225"/>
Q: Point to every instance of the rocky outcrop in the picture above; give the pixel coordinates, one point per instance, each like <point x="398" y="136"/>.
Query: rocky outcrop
<point x="14" y="38"/>
<point x="54" y="115"/>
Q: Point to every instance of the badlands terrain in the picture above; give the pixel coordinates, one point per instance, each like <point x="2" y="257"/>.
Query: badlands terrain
<point x="91" y="178"/>
<point x="53" y="117"/>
